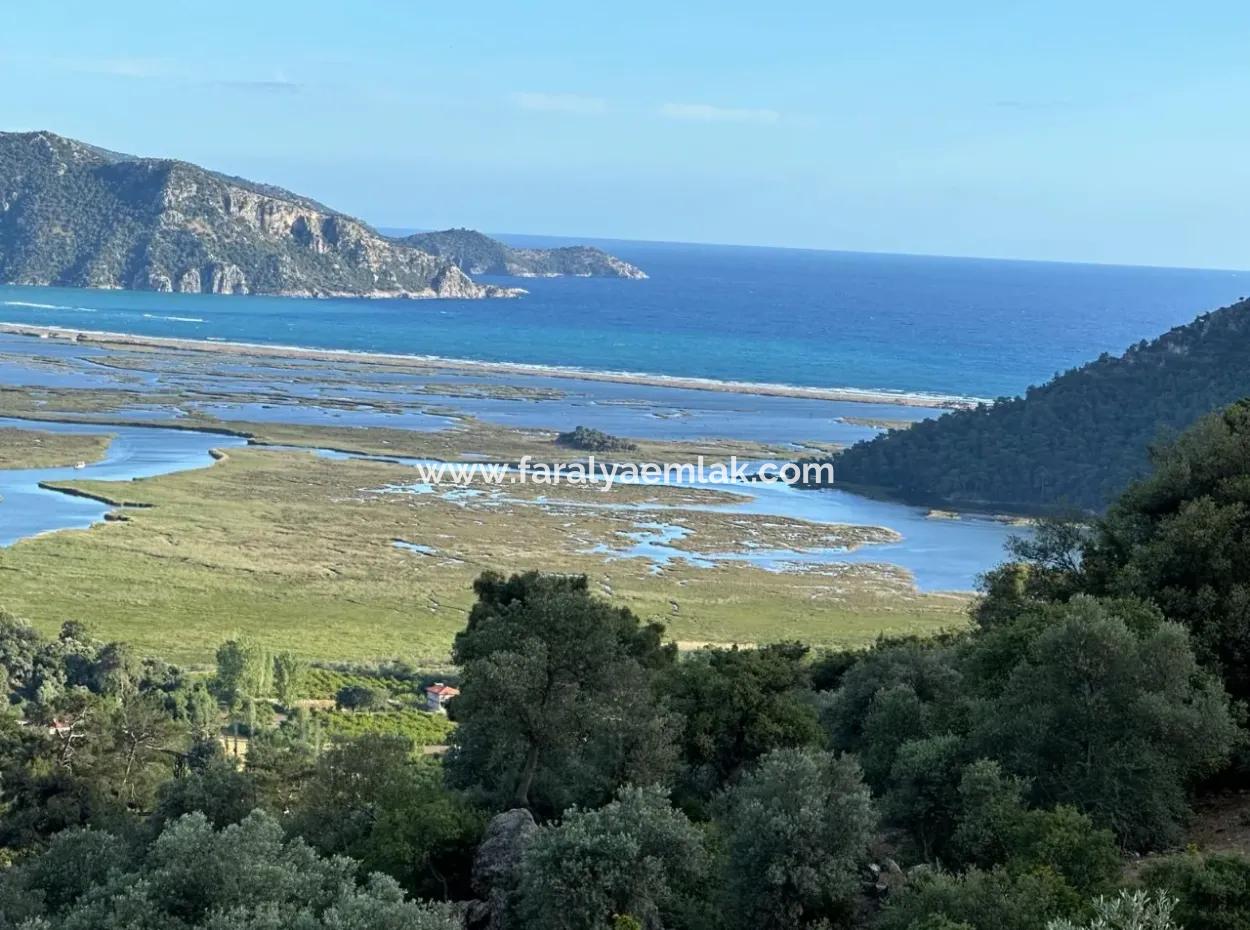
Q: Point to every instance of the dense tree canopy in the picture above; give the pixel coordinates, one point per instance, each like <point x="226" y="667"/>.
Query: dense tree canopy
<point x="556" y="706"/>
<point x="634" y="857"/>
<point x="1181" y="539"/>
<point x="796" y="827"/>
<point x="247" y="876"/>
<point x="735" y="705"/>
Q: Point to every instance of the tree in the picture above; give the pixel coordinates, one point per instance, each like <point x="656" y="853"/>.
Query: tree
<point x="131" y="749"/>
<point x="282" y="763"/>
<point x="196" y="707"/>
<point x="1180" y="538"/>
<point x="635" y="858"/>
<point x="244" y="670"/>
<point x="795" y="828"/>
<point x="556" y="704"/>
<point x="897" y="691"/>
<point x="735" y="705"/>
<point x="1112" y="720"/>
<point x="1045" y="566"/>
<point x="360" y="697"/>
<point x="925" y="665"/>
<point x="994" y="828"/>
<point x="922" y="790"/>
<point x="289" y="674"/>
<point x="368" y="798"/>
<point x="424" y="835"/>
<point x="216" y="789"/>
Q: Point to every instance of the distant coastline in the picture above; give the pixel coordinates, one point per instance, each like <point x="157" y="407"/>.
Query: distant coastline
<point x="428" y="362"/>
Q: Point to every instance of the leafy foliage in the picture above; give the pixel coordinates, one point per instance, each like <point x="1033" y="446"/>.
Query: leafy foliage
<point x="1181" y="538"/>
<point x="1211" y="892"/>
<point x="555" y="708"/>
<point x="978" y="900"/>
<point x="321" y="682"/>
<point x="368" y="798"/>
<point x="635" y="857"/>
<point x="795" y="828"/>
<point x="289" y="674"/>
<point x="736" y="705"/>
<point x="361" y="697"/>
<point x="1099" y="705"/>
<point x="247" y="875"/>
<point x="1128" y="911"/>
<point x="1112" y="720"/>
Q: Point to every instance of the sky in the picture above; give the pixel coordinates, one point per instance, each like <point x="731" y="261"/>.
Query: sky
<point x="1103" y="131"/>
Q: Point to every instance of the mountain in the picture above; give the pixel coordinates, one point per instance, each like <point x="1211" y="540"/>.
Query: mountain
<point x="475" y="253"/>
<point x="1073" y="443"/>
<point x="75" y="215"/>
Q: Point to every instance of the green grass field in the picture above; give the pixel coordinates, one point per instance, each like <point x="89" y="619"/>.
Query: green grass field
<point x="298" y="552"/>
<point x="31" y="448"/>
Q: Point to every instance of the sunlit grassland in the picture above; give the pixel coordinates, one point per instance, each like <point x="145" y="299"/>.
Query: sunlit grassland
<point x="298" y="552"/>
<point x="23" y="448"/>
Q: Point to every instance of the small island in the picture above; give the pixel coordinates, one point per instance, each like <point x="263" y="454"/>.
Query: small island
<point x="475" y="253"/>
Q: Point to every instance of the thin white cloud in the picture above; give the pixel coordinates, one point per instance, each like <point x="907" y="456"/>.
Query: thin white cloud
<point x="115" y="67"/>
<point x="705" y="113"/>
<point x="561" y="103"/>
<point x="157" y="69"/>
<point x="278" y="84"/>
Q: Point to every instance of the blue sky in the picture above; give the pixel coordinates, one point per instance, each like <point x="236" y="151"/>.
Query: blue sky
<point x="1107" y="132"/>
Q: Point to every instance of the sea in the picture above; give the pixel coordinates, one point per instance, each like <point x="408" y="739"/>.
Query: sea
<point x="907" y="323"/>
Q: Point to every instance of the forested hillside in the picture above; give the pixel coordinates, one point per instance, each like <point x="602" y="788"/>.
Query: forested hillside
<point x="1074" y="442"/>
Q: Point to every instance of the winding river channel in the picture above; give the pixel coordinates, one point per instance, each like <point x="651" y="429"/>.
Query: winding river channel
<point x="941" y="554"/>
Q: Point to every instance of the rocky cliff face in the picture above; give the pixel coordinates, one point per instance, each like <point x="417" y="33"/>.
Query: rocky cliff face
<point x="476" y="253"/>
<point x="78" y="216"/>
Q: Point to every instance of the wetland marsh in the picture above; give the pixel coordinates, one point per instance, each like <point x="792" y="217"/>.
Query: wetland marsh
<point x="277" y="499"/>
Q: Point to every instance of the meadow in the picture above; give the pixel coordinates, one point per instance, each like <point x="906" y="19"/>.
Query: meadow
<point x="23" y="448"/>
<point x="298" y="552"/>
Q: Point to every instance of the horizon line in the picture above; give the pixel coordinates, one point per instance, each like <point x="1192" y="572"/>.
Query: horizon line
<point x="584" y="237"/>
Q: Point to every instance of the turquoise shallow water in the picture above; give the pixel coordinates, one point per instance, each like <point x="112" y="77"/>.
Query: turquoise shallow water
<point x="26" y="509"/>
<point x="966" y="326"/>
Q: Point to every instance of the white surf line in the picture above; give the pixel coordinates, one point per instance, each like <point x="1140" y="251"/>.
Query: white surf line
<point x="216" y="346"/>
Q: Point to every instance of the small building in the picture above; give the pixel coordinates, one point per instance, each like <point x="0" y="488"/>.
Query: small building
<point x="437" y="695"/>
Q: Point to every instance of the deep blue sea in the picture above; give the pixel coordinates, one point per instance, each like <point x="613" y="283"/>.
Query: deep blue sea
<point x="833" y="319"/>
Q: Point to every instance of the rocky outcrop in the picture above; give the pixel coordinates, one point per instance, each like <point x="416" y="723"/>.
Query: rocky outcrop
<point x="79" y="216"/>
<point x="495" y="869"/>
<point x="476" y="253"/>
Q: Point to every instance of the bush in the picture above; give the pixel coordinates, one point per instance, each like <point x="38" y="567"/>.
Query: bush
<point x="980" y="900"/>
<point x="1212" y="892"/>
<point x="361" y="697"/>
<point x="593" y="440"/>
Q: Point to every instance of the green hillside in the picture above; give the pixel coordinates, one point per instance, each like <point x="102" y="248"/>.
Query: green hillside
<point x="1074" y="442"/>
